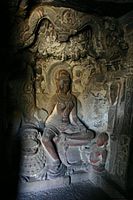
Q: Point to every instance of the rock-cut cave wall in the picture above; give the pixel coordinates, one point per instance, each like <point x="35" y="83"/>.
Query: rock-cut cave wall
<point x="96" y="53"/>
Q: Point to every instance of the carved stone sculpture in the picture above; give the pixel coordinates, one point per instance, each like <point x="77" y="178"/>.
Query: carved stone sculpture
<point x="98" y="152"/>
<point x="88" y="50"/>
<point x="63" y="121"/>
<point x="33" y="158"/>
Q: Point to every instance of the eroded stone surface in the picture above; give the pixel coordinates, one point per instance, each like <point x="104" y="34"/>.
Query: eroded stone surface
<point x="98" y="56"/>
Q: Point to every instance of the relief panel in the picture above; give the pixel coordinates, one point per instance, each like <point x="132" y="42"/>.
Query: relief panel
<point x="77" y="92"/>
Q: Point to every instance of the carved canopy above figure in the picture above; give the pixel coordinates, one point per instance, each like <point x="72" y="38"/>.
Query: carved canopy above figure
<point x="103" y="36"/>
<point x="66" y="21"/>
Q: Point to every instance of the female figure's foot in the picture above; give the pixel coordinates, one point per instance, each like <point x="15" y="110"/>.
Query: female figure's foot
<point x="57" y="169"/>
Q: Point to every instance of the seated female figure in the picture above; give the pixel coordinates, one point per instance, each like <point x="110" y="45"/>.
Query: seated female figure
<point x="63" y="117"/>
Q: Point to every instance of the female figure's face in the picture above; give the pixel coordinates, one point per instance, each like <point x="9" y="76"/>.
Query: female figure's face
<point x="63" y="81"/>
<point x="64" y="85"/>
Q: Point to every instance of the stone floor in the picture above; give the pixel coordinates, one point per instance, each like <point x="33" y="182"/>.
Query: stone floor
<point x="75" y="191"/>
<point x="78" y="186"/>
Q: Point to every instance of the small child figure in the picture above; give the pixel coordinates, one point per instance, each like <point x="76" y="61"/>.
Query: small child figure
<point x="98" y="152"/>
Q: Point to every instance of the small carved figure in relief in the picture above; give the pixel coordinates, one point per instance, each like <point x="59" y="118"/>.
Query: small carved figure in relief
<point x="39" y="79"/>
<point x="98" y="152"/>
<point x="115" y="42"/>
<point x="114" y="93"/>
<point x="63" y="119"/>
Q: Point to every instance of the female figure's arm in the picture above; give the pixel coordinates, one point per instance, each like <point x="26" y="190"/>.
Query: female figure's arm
<point x="51" y="104"/>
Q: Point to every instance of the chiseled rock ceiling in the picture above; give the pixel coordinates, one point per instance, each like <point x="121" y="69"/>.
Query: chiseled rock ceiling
<point x="115" y="8"/>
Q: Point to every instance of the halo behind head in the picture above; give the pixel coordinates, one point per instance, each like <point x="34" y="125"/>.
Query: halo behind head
<point x="62" y="74"/>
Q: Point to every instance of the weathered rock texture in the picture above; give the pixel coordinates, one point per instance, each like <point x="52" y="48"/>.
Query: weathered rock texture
<point x="97" y="52"/>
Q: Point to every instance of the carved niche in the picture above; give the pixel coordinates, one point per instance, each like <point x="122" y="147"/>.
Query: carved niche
<point x="91" y="50"/>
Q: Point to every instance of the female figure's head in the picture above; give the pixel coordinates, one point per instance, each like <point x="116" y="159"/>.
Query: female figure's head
<point x="63" y="81"/>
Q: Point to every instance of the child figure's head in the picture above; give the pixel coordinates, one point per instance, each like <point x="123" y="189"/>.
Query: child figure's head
<point x="102" y="139"/>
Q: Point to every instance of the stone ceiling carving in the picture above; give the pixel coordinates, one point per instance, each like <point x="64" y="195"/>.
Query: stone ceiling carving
<point x="100" y="7"/>
<point x="94" y="36"/>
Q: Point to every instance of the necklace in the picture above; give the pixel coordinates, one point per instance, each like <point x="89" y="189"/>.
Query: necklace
<point x="64" y="97"/>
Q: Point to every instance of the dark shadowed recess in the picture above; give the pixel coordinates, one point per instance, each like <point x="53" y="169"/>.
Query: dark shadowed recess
<point x="110" y="8"/>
